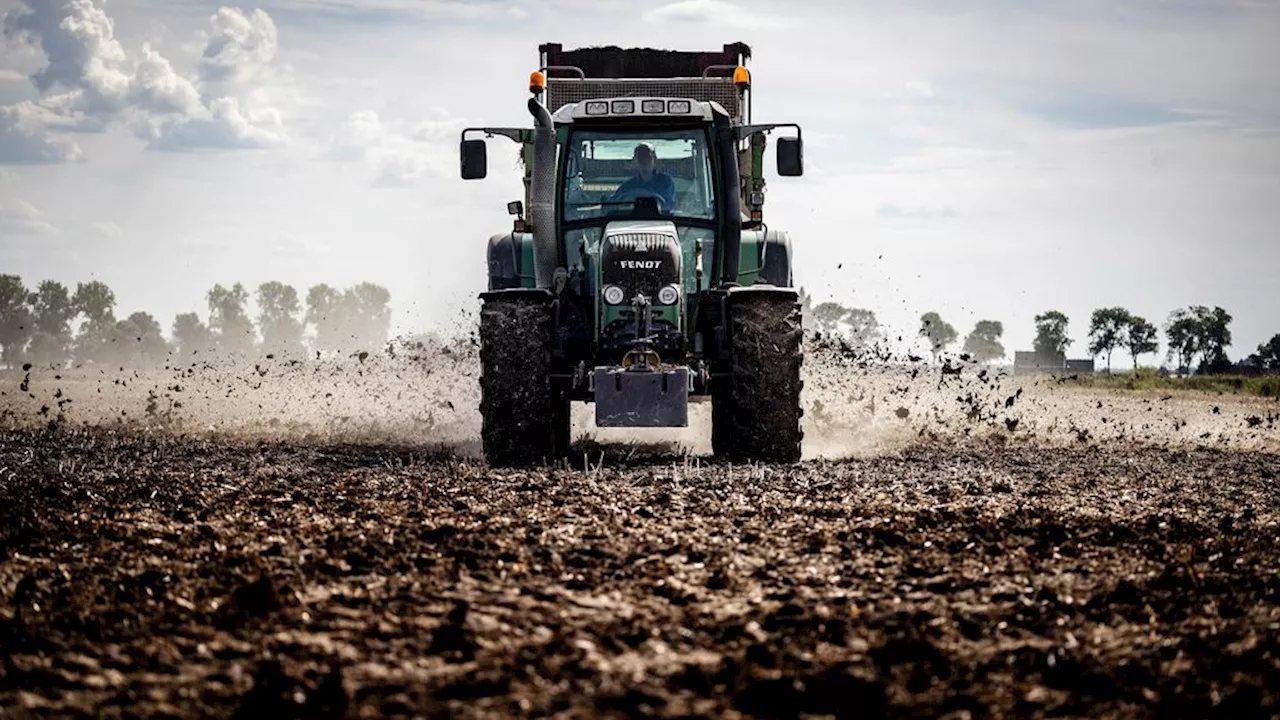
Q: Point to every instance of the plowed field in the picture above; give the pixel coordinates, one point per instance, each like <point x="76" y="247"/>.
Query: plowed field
<point x="963" y="548"/>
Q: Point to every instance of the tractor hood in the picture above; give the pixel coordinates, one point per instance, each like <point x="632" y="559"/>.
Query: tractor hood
<point x="640" y="256"/>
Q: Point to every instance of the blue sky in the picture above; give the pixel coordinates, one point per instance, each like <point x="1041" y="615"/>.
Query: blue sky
<point x="986" y="159"/>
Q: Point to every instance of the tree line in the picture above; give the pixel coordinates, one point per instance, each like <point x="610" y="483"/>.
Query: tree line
<point x="51" y="325"/>
<point x="860" y="329"/>
<point x="1196" y="332"/>
<point x="1193" y="333"/>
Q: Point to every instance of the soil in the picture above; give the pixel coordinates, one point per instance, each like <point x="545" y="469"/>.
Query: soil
<point x="148" y="574"/>
<point x="1008" y="555"/>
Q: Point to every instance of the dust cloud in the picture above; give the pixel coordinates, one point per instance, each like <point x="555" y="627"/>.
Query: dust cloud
<point x="857" y="403"/>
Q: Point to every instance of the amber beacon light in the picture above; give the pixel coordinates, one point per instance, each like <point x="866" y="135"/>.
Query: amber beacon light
<point x="537" y="82"/>
<point x="741" y="78"/>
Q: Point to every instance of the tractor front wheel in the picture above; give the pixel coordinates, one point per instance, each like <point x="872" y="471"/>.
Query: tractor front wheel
<point x="755" y="401"/>
<point x="524" y="419"/>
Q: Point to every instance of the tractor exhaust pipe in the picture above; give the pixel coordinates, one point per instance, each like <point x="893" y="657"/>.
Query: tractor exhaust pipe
<point x="542" y="187"/>
<point x="731" y="207"/>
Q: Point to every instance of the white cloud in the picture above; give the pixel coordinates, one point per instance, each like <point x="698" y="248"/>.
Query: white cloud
<point x="359" y="132"/>
<point x="157" y="88"/>
<point x="401" y="170"/>
<point x="78" y="39"/>
<point x="239" y="47"/>
<point x="26" y="140"/>
<point x="711" y="12"/>
<point x="918" y="88"/>
<point x="102" y="87"/>
<point x="225" y="128"/>
<point x="20" y="217"/>
<point x="403" y="152"/>
<point x="895" y="211"/>
<point x="108" y="230"/>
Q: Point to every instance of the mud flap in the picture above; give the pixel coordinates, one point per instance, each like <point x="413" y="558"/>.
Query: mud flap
<point x="626" y="398"/>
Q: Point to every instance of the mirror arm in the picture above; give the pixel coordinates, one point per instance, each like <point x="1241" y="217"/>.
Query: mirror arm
<point x="518" y="135"/>
<point x="745" y="131"/>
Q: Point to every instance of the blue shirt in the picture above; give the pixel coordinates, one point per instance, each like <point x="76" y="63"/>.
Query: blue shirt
<point x="659" y="183"/>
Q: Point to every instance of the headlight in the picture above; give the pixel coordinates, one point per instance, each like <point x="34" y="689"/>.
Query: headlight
<point x="678" y="106"/>
<point x="612" y="294"/>
<point x="668" y="295"/>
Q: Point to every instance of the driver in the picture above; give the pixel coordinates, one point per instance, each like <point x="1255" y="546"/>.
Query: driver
<point x="648" y="181"/>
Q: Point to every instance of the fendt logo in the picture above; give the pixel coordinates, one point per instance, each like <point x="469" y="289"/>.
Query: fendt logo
<point x="639" y="264"/>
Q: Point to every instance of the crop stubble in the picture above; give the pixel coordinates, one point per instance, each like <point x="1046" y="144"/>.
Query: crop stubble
<point x="949" y="563"/>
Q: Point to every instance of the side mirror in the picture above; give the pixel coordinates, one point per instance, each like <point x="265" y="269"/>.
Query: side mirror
<point x="790" y="157"/>
<point x="475" y="159"/>
<point x="515" y="207"/>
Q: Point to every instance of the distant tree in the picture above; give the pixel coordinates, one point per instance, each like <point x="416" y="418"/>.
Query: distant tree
<point x="1140" y="338"/>
<point x="16" y="321"/>
<point x="324" y="314"/>
<point x="1106" y="331"/>
<point x="52" y="311"/>
<point x="1198" y="330"/>
<point x="1269" y="353"/>
<point x="1051" y="333"/>
<point x="1183" y="335"/>
<point x="138" y="341"/>
<point x="229" y="321"/>
<point x="369" y="312"/>
<point x="828" y="317"/>
<point x="983" y="344"/>
<point x="96" y="302"/>
<point x="1215" y="338"/>
<point x="939" y="332"/>
<point x="864" y="329"/>
<point x="191" y="336"/>
<point x="278" y="309"/>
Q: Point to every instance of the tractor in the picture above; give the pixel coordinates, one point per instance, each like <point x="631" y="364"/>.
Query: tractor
<point x="639" y="274"/>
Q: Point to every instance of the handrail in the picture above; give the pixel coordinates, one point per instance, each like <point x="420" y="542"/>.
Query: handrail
<point x="564" y="67"/>
<point x="717" y="67"/>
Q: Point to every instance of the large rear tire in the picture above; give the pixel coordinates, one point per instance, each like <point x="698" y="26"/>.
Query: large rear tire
<point x="755" y="404"/>
<point x="524" y="418"/>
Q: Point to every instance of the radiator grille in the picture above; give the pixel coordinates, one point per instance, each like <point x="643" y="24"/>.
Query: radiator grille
<point x="641" y="242"/>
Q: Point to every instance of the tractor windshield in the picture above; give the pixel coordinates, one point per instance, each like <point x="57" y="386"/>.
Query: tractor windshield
<point x="607" y="171"/>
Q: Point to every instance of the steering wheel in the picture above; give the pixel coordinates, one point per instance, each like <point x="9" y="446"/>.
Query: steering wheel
<point x="635" y="193"/>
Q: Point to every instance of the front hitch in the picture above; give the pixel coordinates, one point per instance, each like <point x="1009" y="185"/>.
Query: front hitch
<point x="642" y="393"/>
<point x="642" y="357"/>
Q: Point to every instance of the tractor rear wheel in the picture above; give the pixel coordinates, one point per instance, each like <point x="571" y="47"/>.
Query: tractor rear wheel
<point x="524" y="417"/>
<point x="755" y="404"/>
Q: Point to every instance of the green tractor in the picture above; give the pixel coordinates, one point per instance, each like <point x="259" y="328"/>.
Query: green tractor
<point x="644" y="276"/>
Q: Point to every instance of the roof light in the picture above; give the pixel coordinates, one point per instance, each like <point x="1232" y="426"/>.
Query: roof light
<point x="652" y="106"/>
<point x="597" y="107"/>
<point x="678" y="106"/>
<point x="741" y="77"/>
<point x="537" y="82"/>
<point x="623" y="107"/>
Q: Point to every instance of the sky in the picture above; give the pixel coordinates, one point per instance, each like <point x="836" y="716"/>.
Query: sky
<point x="988" y="160"/>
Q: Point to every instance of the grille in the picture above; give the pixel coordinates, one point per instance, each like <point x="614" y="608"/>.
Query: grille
<point x="566" y="91"/>
<point x="640" y="242"/>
